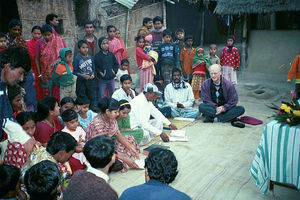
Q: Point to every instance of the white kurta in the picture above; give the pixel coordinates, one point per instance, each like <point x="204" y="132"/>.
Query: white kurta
<point x="184" y="96"/>
<point x="121" y="94"/>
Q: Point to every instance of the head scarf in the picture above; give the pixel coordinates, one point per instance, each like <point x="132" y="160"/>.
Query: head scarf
<point x="229" y="50"/>
<point x="197" y="60"/>
<point x="100" y="41"/>
<point x="62" y="56"/>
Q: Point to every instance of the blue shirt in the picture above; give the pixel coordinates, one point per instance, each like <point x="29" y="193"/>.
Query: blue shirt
<point x="83" y="65"/>
<point x="30" y="96"/>
<point x="153" y="190"/>
<point x="168" y="51"/>
<point x="85" y="122"/>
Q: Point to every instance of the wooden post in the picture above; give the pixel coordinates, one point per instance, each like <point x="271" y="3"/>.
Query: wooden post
<point x="127" y="26"/>
<point x="164" y="13"/>
<point x="244" y="42"/>
<point x="273" y="21"/>
<point x="202" y="26"/>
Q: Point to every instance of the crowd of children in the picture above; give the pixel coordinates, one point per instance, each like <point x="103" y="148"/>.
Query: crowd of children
<point x="72" y="95"/>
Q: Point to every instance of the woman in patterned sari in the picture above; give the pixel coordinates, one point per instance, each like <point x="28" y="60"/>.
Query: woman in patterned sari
<point x="46" y="54"/>
<point x="105" y="123"/>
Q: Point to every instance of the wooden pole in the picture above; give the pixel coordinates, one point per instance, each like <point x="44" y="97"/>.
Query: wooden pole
<point x="127" y="26"/>
<point x="244" y="42"/>
<point x="202" y="26"/>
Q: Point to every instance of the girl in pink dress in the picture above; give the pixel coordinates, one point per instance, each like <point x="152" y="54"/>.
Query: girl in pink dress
<point x="145" y="74"/>
<point x="105" y="123"/>
<point x="115" y="45"/>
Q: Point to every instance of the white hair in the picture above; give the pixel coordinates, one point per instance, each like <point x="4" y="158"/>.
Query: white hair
<point x="215" y="65"/>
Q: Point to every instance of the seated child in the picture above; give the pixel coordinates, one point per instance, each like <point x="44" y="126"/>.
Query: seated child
<point x="78" y="160"/>
<point x="15" y="96"/>
<point x="62" y="75"/>
<point x="160" y="103"/>
<point x="85" y="115"/>
<point x="10" y="182"/>
<point x="125" y="92"/>
<point x="200" y="65"/>
<point x="123" y="70"/>
<point x="214" y="59"/>
<point x="2" y="42"/>
<point x="124" y="122"/>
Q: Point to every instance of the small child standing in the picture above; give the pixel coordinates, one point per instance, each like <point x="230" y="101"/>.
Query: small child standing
<point x="78" y="160"/>
<point x="145" y="74"/>
<point x="62" y="74"/>
<point x="107" y="67"/>
<point x="85" y="115"/>
<point x="157" y="32"/>
<point x="168" y="56"/>
<point x="2" y="42"/>
<point x="230" y="60"/>
<point x="295" y="69"/>
<point x="123" y="70"/>
<point x="180" y="38"/>
<point x="200" y="65"/>
<point x="186" y="58"/>
<point x="214" y="59"/>
<point x="84" y="69"/>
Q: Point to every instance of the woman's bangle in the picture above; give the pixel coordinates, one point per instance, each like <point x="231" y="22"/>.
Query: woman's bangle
<point x="40" y="75"/>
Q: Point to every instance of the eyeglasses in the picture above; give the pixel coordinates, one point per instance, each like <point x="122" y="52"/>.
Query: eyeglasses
<point x="214" y="73"/>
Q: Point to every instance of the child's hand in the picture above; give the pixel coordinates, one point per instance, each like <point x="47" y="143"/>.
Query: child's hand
<point x="77" y="108"/>
<point x="289" y="80"/>
<point x="92" y="76"/>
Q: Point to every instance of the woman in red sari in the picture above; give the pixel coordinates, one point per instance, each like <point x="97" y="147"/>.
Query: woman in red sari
<point x="46" y="52"/>
<point x="36" y="35"/>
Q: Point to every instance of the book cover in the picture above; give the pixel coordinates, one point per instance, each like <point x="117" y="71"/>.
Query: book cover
<point x="147" y="150"/>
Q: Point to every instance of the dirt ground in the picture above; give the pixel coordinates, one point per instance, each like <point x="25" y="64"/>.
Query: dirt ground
<point x="215" y="162"/>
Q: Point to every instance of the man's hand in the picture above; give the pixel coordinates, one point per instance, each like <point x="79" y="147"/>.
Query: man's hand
<point x="130" y="93"/>
<point x="164" y="137"/>
<point x="180" y="105"/>
<point x="220" y="109"/>
<point x="173" y="127"/>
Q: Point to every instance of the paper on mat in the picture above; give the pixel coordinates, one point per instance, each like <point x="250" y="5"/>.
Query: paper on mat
<point x="178" y="139"/>
<point x="184" y="119"/>
<point x="178" y="133"/>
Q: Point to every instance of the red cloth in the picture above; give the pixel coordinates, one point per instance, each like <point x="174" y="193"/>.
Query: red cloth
<point x="200" y="69"/>
<point x="125" y="53"/>
<point x="92" y="46"/>
<point x="116" y="48"/>
<point x="15" y="154"/>
<point x="140" y="56"/>
<point x="2" y="49"/>
<point x="44" y="131"/>
<point x="36" y="84"/>
<point x="230" y="59"/>
<point x="76" y="165"/>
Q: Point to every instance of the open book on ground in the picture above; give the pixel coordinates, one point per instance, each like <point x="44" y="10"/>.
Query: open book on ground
<point x="147" y="150"/>
<point x="178" y="136"/>
<point x="140" y="163"/>
<point x="184" y="119"/>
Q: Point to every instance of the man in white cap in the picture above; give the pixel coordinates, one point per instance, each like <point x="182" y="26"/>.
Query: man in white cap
<point x="141" y="110"/>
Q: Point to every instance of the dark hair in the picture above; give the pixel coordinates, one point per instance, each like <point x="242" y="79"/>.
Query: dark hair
<point x="42" y="180"/>
<point x="158" y="18"/>
<point x="179" y="30"/>
<point x="24" y="117"/>
<point x="86" y="22"/>
<point x="44" y="106"/>
<point x="188" y="37"/>
<point x="167" y="32"/>
<point x="161" y="165"/>
<point x="109" y="27"/>
<point x="125" y="77"/>
<point x="61" y="141"/>
<point x="46" y="28"/>
<point x="2" y="35"/>
<point x="124" y="104"/>
<point x="17" y="57"/>
<point x="159" y="86"/>
<point x="124" y="61"/>
<point x="69" y="115"/>
<point x="13" y="91"/>
<point x="176" y="69"/>
<point x="82" y="101"/>
<point x="69" y="52"/>
<point x="9" y="176"/>
<point x="66" y="100"/>
<point x="139" y="37"/>
<point x="99" y="151"/>
<point x="81" y="42"/>
<point x="50" y="17"/>
<point x="158" y="78"/>
<point x="14" y="22"/>
<point x="106" y="103"/>
<point x="36" y="28"/>
<point x="146" y="20"/>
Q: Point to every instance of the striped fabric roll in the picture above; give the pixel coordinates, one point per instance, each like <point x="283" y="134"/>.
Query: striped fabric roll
<point x="278" y="156"/>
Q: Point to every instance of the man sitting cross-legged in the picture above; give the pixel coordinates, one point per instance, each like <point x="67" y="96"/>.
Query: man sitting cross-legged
<point x="220" y="99"/>
<point x="179" y="96"/>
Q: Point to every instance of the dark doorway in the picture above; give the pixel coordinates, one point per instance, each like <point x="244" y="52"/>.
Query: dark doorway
<point x="8" y="11"/>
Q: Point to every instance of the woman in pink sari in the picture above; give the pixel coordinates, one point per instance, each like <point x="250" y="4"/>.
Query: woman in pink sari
<point x="125" y="54"/>
<point x="46" y="55"/>
<point x="115" y="45"/>
<point x="36" y="35"/>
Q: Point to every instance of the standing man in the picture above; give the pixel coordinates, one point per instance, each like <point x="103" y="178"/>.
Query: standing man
<point x="89" y="36"/>
<point x="220" y="99"/>
<point x="141" y="109"/>
<point x="179" y="96"/>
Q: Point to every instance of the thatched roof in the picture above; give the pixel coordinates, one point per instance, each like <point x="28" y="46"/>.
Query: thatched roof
<point x="256" y="6"/>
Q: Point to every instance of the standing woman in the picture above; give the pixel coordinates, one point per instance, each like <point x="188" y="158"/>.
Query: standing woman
<point x="46" y="52"/>
<point x="36" y="33"/>
<point x="14" y="35"/>
<point x="106" y="124"/>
